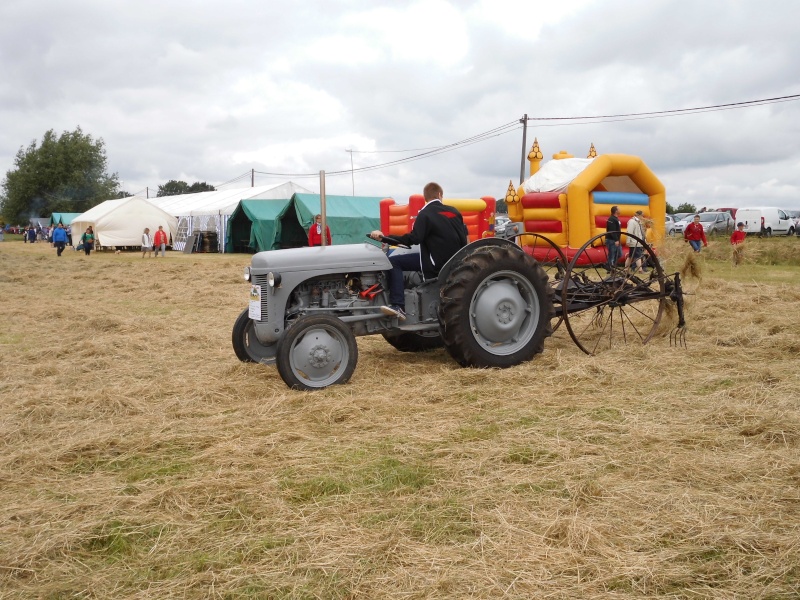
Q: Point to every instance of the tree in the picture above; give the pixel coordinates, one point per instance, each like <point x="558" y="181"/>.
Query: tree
<point x="175" y="188"/>
<point x="686" y="207"/>
<point x="65" y="173"/>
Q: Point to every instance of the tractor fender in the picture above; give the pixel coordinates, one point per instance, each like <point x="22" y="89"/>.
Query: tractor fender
<point x="458" y="256"/>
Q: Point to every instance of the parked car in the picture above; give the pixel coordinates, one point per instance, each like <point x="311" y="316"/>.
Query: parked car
<point x="669" y="227"/>
<point x="717" y="223"/>
<point x="682" y="220"/>
<point x="730" y="210"/>
<point x="712" y="222"/>
<point x="795" y="216"/>
<point x="500" y="222"/>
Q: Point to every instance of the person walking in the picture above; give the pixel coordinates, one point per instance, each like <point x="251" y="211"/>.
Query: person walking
<point x="31" y="234"/>
<point x="613" y="230"/>
<point x="737" y="241"/>
<point x="147" y="242"/>
<point x="160" y="241"/>
<point x="59" y="239"/>
<point x="315" y="233"/>
<point x="635" y="248"/>
<point x="440" y="232"/>
<point x="695" y="234"/>
<point x="87" y="240"/>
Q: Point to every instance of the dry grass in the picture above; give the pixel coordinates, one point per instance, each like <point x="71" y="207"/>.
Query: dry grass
<point x="140" y="459"/>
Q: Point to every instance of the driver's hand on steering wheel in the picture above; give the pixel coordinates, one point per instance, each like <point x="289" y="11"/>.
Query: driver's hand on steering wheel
<point x="376" y="235"/>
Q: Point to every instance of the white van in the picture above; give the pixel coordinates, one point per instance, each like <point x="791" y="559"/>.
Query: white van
<point x="765" y="220"/>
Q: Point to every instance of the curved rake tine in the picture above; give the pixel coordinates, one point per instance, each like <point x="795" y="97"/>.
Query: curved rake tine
<point x="677" y="337"/>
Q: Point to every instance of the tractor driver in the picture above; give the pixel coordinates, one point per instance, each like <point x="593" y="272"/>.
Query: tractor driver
<point x="440" y="232"/>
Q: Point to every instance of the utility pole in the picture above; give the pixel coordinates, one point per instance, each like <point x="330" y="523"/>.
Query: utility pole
<point x="524" y="121"/>
<point x="352" y="178"/>
<point x="252" y="178"/>
<point x="323" y="208"/>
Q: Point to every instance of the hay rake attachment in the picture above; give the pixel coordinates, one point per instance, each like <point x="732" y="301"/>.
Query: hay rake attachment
<point x="603" y="305"/>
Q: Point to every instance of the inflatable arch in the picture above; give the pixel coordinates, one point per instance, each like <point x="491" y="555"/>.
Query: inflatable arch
<point x="478" y="214"/>
<point x="570" y="218"/>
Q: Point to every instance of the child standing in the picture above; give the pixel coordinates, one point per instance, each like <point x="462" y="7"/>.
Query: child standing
<point x="147" y="243"/>
<point x="737" y="241"/>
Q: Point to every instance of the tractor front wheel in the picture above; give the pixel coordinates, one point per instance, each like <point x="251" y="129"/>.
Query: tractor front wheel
<point x="246" y="344"/>
<point x="315" y="352"/>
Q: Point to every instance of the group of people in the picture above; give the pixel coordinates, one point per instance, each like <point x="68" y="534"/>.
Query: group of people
<point x="636" y="233"/>
<point x="33" y="233"/>
<point x="61" y="238"/>
<point x="157" y="242"/>
<point x="694" y="235"/>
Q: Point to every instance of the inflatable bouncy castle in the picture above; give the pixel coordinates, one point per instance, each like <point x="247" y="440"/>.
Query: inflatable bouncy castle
<point x="478" y="214"/>
<point x="568" y="200"/>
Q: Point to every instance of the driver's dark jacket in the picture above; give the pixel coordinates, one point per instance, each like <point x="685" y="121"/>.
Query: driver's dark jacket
<point x="440" y="232"/>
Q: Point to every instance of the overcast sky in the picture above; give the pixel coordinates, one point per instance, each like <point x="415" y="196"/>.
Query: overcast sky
<point x="207" y="91"/>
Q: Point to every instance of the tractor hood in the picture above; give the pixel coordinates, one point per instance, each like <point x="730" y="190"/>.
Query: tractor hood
<point x="349" y="257"/>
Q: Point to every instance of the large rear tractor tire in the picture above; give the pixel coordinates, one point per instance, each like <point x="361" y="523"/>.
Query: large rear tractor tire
<point x="315" y="352"/>
<point x="495" y="308"/>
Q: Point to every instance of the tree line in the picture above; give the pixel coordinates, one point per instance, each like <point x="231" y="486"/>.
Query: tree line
<point x="67" y="173"/>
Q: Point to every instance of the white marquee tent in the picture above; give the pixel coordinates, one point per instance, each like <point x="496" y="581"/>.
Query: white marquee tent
<point x="209" y="211"/>
<point x="122" y="222"/>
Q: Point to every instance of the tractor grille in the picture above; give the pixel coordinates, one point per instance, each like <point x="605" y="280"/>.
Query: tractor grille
<point x="262" y="281"/>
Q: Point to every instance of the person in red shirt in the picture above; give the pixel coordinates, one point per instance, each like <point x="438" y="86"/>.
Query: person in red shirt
<point x="315" y="233"/>
<point x="737" y="238"/>
<point x="160" y="241"/>
<point x="694" y="234"/>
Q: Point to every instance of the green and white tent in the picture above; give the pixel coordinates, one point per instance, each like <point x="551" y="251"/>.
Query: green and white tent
<point x="256" y="226"/>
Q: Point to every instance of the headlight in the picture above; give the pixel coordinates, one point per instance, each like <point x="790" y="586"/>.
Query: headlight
<point x="247" y="273"/>
<point x="273" y="279"/>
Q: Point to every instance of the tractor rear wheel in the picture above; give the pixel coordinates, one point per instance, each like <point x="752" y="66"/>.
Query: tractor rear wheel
<point x="495" y="308"/>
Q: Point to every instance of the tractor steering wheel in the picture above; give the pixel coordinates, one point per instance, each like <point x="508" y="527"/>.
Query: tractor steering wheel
<point x="391" y="241"/>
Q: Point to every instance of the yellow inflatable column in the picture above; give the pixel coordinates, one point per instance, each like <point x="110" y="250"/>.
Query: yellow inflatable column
<point x="513" y="205"/>
<point x="535" y="157"/>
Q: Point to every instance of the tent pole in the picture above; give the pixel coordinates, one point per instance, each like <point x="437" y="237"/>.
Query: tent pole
<point x="323" y="211"/>
<point x="524" y="121"/>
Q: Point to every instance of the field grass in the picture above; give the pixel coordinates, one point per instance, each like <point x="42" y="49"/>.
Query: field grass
<point x="140" y="459"/>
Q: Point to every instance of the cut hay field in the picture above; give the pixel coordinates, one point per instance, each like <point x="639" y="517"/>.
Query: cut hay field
<point x="140" y="459"/>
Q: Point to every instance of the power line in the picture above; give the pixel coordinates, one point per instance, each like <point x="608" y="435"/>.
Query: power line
<point x="495" y="132"/>
<point x="677" y="111"/>
<point x="514" y="126"/>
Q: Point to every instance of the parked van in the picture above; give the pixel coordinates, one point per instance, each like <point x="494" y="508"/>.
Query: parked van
<point x="765" y="220"/>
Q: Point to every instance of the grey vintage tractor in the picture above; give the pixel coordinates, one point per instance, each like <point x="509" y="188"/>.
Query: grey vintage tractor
<point x="490" y="306"/>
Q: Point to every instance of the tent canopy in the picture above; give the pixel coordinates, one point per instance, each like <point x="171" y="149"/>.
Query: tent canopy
<point x="122" y="222"/>
<point x="63" y="218"/>
<point x="253" y="225"/>
<point x="222" y="202"/>
<point x="270" y="225"/>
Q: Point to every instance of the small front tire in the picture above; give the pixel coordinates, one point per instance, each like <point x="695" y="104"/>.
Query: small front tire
<point x="246" y="344"/>
<point x="315" y="352"/>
